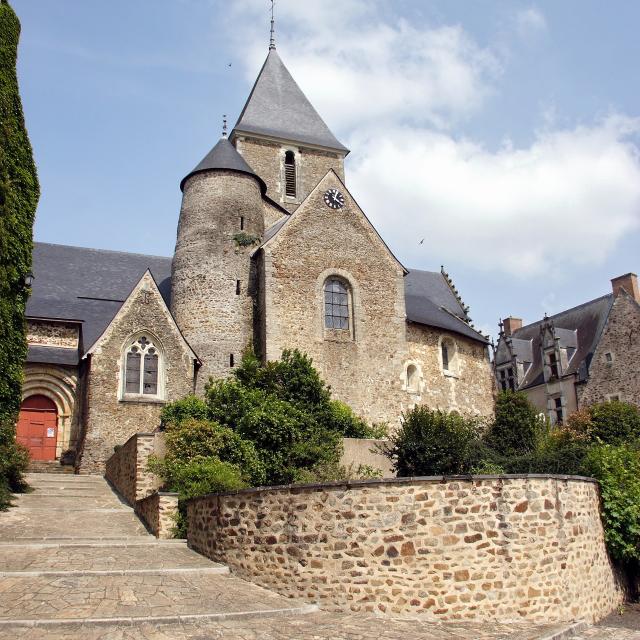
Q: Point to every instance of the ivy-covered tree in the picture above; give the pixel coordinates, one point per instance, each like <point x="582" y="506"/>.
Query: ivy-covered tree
<point x="19" y="193"/>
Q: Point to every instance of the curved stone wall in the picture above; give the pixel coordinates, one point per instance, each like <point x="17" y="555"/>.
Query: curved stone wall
<point x="488" y="547"/>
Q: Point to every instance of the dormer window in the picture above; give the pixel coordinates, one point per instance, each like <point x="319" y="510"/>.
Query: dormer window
<point x="552" y="362"/>
<point x="507" y="379"/>
<point x="290" y="174"/>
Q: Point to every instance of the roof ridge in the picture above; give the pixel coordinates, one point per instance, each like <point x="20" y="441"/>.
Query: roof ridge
<point x="73" y="246"/>
<point x="556" y="315"/>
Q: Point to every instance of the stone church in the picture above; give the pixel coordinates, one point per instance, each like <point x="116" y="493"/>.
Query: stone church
<point x="272" y="250"/>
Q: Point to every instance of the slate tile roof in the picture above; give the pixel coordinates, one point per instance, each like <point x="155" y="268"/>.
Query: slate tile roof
<point x="278" y="108"/>
<point x="579" y="327"/>
<point x="90" y="285"/>
<point x="224" y="156"/>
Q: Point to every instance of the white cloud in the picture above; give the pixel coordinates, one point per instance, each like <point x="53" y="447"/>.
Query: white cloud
<point x="357" y="68"/>
<point x="395" y="91"/>
<point x="565" y="200"/>
<point x="530" y="22"/>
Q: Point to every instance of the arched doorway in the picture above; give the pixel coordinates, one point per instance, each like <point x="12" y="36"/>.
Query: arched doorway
<point x="38" y="427"/>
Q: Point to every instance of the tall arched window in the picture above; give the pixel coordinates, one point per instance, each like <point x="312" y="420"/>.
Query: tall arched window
<point x="336" y="304"/>
<point x="142" y="368"/>
<point x="449" y="356"/>
<point x="290" y="174"/>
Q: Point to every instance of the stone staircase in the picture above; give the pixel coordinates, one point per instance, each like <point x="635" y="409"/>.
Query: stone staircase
<point x="45" y="466"/>
<point x="73" y="555"/>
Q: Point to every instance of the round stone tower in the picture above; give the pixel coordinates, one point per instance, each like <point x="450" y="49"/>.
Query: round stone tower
<point x="212" y="284"/>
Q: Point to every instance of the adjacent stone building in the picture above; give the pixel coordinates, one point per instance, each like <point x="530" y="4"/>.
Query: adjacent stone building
<point x="272" y="250"/>
<point x="580" y="356"/>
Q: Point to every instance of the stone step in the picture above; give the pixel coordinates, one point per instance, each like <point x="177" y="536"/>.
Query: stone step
<point x="25" y="524"/>
<point x="49" y="468"/>
<point x="68" y="501"/>
<point x="113" y="558"/>
<point x="151" y="599"/>
<point x="93" y="543"/>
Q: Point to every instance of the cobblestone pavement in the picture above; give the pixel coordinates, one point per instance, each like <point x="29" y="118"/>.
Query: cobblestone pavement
<point x="75" y="563"/>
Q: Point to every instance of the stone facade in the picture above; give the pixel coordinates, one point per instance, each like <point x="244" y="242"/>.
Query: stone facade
<point x="212" y="281"/>
<point x="266" y="158"/>
<point x="52" y="334"/>
<point x="159" y="512"/>
<point x="467" y="387"/>
<point x="112" y="418"/>
<point x="127" y="471"/>
<point x="503" y="548"/>
<point x="614" y="370"/>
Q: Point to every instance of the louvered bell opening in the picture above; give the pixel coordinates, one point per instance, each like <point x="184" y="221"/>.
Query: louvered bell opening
<point x="290" y="174"/>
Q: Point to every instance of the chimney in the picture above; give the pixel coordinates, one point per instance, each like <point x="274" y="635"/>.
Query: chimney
<point x="628" y="282"/>
<point x="511" y="324"/>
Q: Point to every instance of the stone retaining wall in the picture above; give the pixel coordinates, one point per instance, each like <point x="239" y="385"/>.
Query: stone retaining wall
<point x="488" y="547"/>
<point x="158" y="511"/>
<point x="127" y="471"/>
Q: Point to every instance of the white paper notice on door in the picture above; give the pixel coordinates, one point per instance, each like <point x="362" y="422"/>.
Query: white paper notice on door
<point x="51" y="432"/>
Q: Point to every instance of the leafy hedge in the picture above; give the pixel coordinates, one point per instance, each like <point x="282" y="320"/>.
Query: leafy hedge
<point x="602" y="442"/>
<point x="19" y="193"/>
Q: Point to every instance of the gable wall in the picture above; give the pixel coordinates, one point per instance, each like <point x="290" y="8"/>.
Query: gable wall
<point x="266" y="158"/>
<point x="110" y="421"/>
<point x="468" y="390"/>
<point x="315" y="243"/>
<point x="620" y="337"/>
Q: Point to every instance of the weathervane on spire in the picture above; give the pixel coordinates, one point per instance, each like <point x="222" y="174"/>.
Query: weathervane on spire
<point x="224" y="125"/>
<point x="272" y="40"/>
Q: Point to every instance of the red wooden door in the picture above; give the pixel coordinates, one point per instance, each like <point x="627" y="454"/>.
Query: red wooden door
<point x="38" y="427"/>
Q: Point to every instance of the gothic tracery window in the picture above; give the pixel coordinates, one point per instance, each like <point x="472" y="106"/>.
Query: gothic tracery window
<point x="142" y="368"/>
<point x="336" y="304"/>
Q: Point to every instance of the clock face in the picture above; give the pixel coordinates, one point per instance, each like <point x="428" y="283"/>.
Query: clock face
<point x="334" y="199"/>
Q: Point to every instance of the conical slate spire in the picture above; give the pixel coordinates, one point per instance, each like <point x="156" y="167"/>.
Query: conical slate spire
<point x="225" y="157"/>
<point x="277" y="108"/>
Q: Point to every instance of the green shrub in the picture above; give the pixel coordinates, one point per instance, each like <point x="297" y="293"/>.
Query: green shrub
<point x="180" y="410"/>
<point x="618" y="470"/>
<point x="615" y="422"/>
<point x="517" y="426"/>
<point x="433" y="443"/>
<point x="194" y="439"/>
<point x="14" y="460"/>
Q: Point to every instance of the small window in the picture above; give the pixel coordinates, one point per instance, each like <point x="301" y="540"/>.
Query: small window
<point x="552" y="361"/>
<point x="614" y="397"/>
<point x="290" y="174"/>
<point x="231" y="360"/>
<point x="237" y="287"/>
<point x="608" y="357"/>
<point x="445" y="355"/>
<point x="558" y="410"/>
<point x="413" y="379"/>
<point x="142" y="368"/>
<point x="336" y="304"/>
<point x="241" y="223"/>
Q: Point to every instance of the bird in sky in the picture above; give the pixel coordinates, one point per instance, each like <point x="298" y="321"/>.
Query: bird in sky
<point x="421" y="241"/>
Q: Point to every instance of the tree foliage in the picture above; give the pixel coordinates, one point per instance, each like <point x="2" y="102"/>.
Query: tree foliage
<point x="19" y="193"/>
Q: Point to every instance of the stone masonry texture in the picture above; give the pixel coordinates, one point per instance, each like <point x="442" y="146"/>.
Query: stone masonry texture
<point x="52" y="334"/>
<point x="503" y="548"/>
<point x="266" y="158"/>
<point x="212" y="285"/>
<point x="620" y="338"/>
<point x="159" y="512"/>
<point x="110" y="420"/>
<point x="366" y="366"/>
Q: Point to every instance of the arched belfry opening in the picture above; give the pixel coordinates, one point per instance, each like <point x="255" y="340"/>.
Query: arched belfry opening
<point x="290" y="174"/>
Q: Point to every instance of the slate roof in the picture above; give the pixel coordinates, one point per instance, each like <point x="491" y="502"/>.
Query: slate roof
<point x="224" y="156"/>
<point x="579" y="327"/>
<point x="90" y="285"/>
<point x="430" y="301"/>
<point x="53" y="355"/>
<point x="278" y="108"/>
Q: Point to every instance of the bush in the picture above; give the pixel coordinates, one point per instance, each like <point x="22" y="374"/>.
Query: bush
<point x="197" y="439"/>
<point x="615" y="422"/>
<point x="517" y="427"/>
<point x="618" y="470"/>
<point x="14" y="460"/>
<point x="180" y="410"/>
<point x="433" y="443"/>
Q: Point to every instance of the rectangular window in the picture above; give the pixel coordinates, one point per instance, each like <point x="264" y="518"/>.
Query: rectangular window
<point x="445" y="357"/>
<point x="559" y="414"/>
<point x="553" y="364"/>
<point x="132" y="382"/>
<point x="241" y="223"/>
<point x="231" y="360"/>
<point x="237" y="287"/>
<point x="336" y="305"/>
<point x="150" y="383"/>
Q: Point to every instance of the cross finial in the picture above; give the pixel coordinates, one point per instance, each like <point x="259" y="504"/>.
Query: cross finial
<point x="224" y="126"/>
<point x="272" y="40"/>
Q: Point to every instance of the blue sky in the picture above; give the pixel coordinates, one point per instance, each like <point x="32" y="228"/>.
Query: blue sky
<point x="506" y="134"/>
